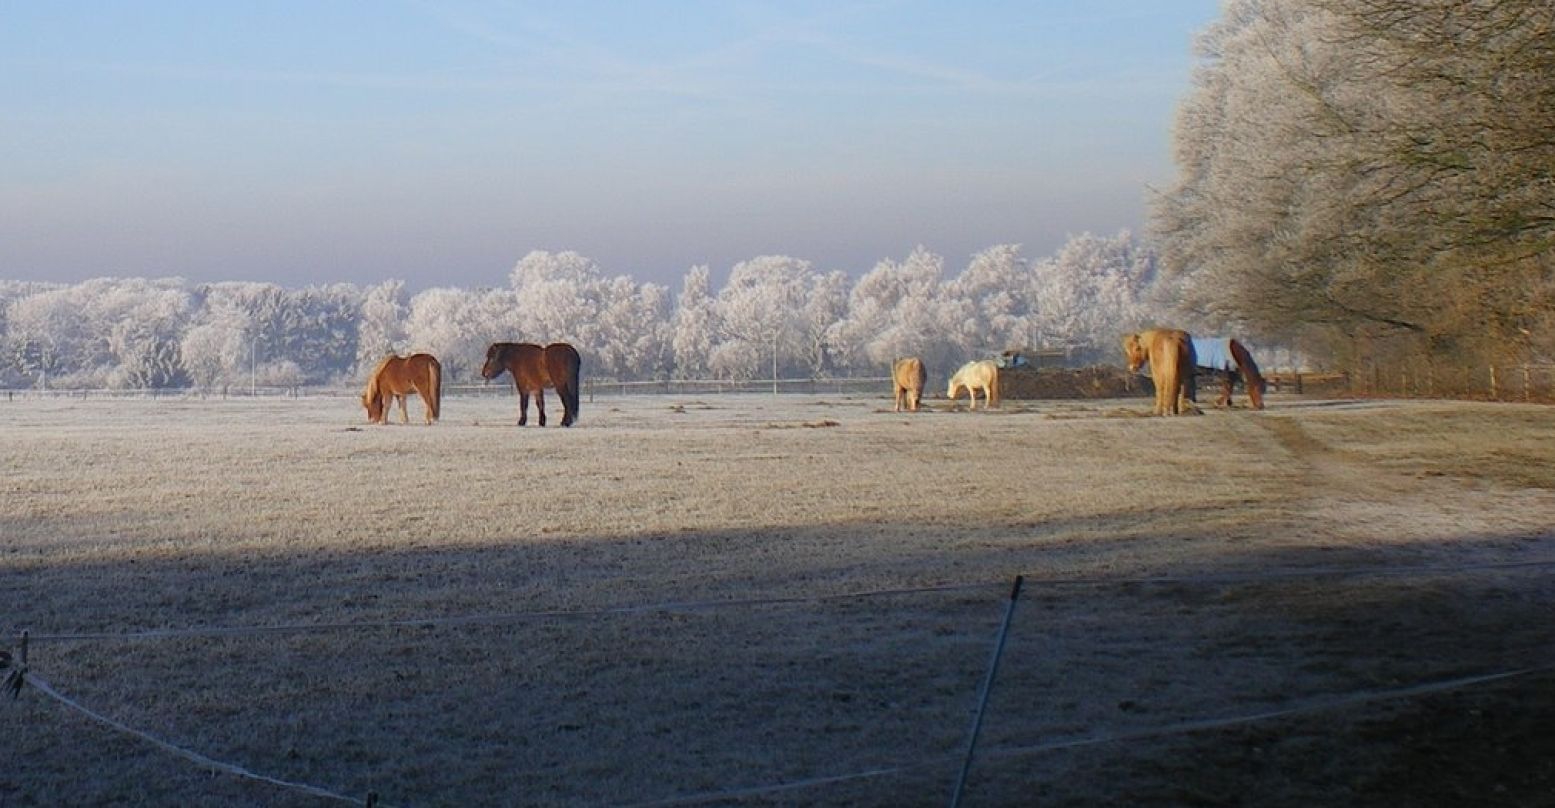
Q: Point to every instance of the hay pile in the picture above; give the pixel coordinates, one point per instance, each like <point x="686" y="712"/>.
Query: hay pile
<point x="1093" y="382"/>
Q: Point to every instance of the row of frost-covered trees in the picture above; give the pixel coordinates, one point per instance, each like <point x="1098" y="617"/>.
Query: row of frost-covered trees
<point x="774" y="317"/>
<point x="1373" y="180"/>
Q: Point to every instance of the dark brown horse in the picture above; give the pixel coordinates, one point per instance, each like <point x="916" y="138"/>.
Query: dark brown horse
<point x="535" y="368"/>
<point x="397" y="377"/>
<point x="1230" y="360"/>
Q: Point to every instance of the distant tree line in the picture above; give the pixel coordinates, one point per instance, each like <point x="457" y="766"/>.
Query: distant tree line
<point x="1371" y="180"/>
<point x="775" y="317"/>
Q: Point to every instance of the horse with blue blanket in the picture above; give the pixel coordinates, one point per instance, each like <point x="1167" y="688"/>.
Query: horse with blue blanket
<point x="1229" y="359"/>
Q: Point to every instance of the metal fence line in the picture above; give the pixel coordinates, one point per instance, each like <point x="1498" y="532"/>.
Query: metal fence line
<point x="46" y="689"/>
<point x="1526" y="382"/>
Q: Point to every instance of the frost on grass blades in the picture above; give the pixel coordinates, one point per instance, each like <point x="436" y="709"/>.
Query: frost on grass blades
<point x="696" y="595"/>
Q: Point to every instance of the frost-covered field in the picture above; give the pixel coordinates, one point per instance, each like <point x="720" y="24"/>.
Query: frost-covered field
<point x="715" y="595"/>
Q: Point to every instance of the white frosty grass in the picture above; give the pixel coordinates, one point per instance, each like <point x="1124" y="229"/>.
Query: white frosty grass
<point x="127" y="516"/>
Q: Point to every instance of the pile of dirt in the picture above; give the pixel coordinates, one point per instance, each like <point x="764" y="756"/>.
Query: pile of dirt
<point x="1100" y="381"/>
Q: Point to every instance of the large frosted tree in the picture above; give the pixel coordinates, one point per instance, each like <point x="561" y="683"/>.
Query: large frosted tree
<point x="1374" y="174"/>
<point x="634" y="330"/>
<point x="557" y="296"/>
<point x="826" y="305"/>
<point x="695" y="326"/>
<point x="995" y="298"/>
<point x="760" y="316"/>
<point x="447" y="323"/>
<point x="214" y="349"/>
<point x="1090" y="293"/>
<point x="380" y="329"/>
<point x="899" y="309"/>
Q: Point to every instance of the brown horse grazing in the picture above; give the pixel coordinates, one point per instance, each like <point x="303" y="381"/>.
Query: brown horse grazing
<point x="395" y="378"/>
<point x="535" y="368"/>
<point x="1229" y="359"/>
<point x="908" y="377"/>
<point x="1170" y="354"/>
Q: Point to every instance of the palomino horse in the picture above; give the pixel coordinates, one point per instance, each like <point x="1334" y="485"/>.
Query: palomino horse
<point x="1170" y="354"/>
<point x="908" y="376"/>
<point x="1227" y="358"/>
<point x="395" y="378"/>
<point x="981" y="374"/>
<point x="535" y="368"/>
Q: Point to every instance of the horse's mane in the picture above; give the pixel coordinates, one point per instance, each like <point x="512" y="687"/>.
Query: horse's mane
<point x="373" y="379"/>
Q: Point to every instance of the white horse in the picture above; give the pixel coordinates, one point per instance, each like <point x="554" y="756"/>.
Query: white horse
<point x="982" y="374"/>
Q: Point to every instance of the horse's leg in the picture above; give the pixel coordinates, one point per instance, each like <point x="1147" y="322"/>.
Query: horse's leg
<point x="523" y="407"/>
<point x="569" y="398"/>
<point x="540" y="405"/>
<point x="404" y="413"/>
<point x="1226" y="384"/>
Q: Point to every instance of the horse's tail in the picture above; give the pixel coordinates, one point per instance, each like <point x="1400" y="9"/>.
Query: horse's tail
<point x="435" y="387"/>
<point x="574" y="375"/>
<point x="1256" y="385"/>
<point x="1189" y="369"/>
<point x="993" y="387"/>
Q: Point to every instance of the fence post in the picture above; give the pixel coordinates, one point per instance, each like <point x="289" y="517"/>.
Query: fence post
<point x="18" y="675"/>
<point x="982" y="699"/>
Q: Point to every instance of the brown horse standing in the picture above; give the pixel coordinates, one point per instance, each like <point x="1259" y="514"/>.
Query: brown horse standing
<point x="535" y="368"/>
<point x="395" y="378"/>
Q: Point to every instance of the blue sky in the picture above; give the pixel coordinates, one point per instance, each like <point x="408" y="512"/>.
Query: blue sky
<point x="439" y="141"/>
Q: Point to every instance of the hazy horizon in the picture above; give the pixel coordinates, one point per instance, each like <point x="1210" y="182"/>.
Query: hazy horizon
<point x="439" y="143"/>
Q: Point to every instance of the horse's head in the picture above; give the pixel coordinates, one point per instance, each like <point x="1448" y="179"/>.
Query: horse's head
<point x="1134" y="349"/>
<point x="374" y="405"/>
<point x="496" y="356"/>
